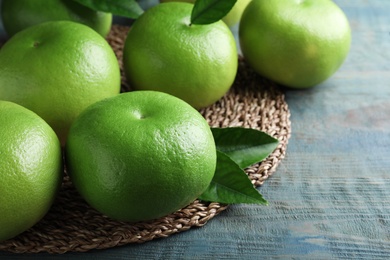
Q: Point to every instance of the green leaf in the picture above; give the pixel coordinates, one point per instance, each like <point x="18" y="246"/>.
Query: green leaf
<point x="245" y="146"/>
<point x="231" y="185"/>
<point x="126" y="8"/>
<point x="210" y="11"/>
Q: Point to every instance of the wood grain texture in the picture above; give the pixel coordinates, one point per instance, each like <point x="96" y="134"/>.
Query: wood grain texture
<point x="330" y="197"/>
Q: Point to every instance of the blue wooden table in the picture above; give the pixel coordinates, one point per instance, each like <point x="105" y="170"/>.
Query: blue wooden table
<point x="330" y="196"/>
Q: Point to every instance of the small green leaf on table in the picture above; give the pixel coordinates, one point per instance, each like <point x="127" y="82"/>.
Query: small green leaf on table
<point x="245" y="146"/>
<point x="210" y="11"/>
<point x="231" y="185"/>
<point x="126" y="8"/>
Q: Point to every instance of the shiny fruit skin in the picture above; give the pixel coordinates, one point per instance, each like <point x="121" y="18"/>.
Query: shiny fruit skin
<point x="57" y="69"/>
<point x="296" y="43"/>
<point x="164" y="52"/>
<point x="30" y="169"/>
<point x="140" y="155"/>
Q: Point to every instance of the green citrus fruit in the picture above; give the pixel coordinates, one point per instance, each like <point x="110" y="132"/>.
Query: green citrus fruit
<point x="232" y="18"/>
<point x="57" y="69"/>
<point x="20" y="14"/>
<point x="30" y="169"/>
<point x="297" y="43"/>
<point x="140" y="155"/>
<point x="164" y="52"/>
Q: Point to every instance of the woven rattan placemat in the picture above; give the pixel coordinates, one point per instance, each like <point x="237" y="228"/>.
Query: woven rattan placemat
<point x="71" y="225"/>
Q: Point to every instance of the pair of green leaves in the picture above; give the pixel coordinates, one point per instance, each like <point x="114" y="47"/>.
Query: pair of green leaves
<point x="237" y="148"/>
<point x="203" y="12"/>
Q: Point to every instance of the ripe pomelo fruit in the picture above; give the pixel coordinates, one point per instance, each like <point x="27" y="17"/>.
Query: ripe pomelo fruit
<point x="296" y="43"/>
<point x="232" y="18"/>
<point x="140" y="155"/>
<point x="20" y="14"/>
<point x="57" y="69"/>
<point x="30" y="169"/>
<point x="164" y="52"/>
